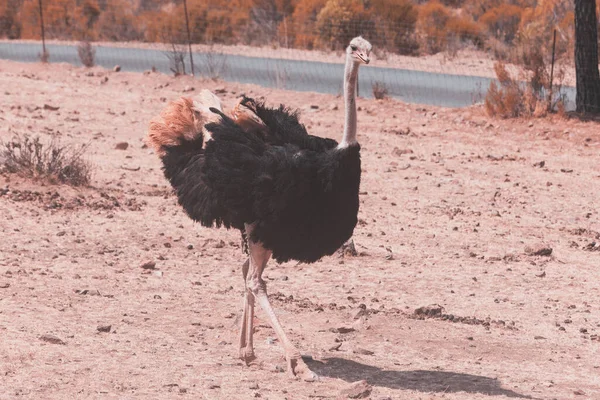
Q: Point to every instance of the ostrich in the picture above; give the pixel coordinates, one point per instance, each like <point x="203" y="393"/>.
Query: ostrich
<point x="293" y="196"/>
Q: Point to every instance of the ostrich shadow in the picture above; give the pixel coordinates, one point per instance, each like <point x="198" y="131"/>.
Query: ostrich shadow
<point x="418" y="380"/>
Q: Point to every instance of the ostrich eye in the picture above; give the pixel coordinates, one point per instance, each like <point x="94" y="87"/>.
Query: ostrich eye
<point x="353" y="47"/>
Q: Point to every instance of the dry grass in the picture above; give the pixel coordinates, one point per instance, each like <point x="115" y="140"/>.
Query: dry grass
<point x="51" y="162"/>
<point x="87" y="54"/>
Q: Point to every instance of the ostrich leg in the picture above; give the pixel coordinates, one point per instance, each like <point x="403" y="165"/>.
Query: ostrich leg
<point x="258" y="260"/>
<point x="247" y="329"/>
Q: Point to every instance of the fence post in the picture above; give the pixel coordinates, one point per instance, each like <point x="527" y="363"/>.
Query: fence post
<point x="552" y="70"/>
<point x="42" y="25"/>
<point x="187" y="25"/>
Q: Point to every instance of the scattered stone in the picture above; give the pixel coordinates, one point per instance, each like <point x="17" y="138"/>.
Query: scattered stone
<point x="253" y="386"/>
<point x="190" y="246"/>
<point x="336" y="346"/>
<point x="314" y="106"/>
<point x="104" y="80"/>
<point x="148" y="265"/>
<point x="117" y="68"/>
<point x="52" y="339"/>
<point x="220" y="244"/>
<point x="542" y="275"/>
<point x="51" y="108"/>
<point x="399" y="152"/>
<point x="157" y="273"/>
<point x="89" y="292"/>
<point x="538" y="250"/>
<point x="61" y="233"/>
<point x="579" y="392"/>
<point x="104" y="328"/>
<point x="157" y="297"/>
<point x="167" y="245"/>
<point x="188" y="88"/>
<point x="357" y="390"/>
<point x="540" y="164"/>
<point x="4" y="285"/>
<point x="362" y="351"/>
<point x="433" y="310"/>
<point x="342" y="329"/>
<point x="122" y="146"/>
<point x="538" y="337"/>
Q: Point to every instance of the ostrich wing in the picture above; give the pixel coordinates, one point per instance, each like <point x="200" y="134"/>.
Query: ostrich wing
<point x="283" y="126"/>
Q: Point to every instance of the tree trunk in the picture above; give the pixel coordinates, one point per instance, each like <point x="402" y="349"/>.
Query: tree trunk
<point x="586" y="57"/>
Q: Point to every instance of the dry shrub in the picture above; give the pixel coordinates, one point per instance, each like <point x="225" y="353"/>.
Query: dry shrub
<point x="528" y="95"/>
<point x="52" y="162"/>
<point x="380" y="90"/>
<point x="87" y="54"/>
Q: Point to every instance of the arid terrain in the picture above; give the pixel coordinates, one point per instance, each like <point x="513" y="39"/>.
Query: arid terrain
<point x="491" y="225"/>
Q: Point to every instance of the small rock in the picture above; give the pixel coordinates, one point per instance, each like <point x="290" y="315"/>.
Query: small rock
<point x="122" y="146"/>
<point x="61" y="233"/>
<point x="148" y="265"/>
<point x="336" y="346"/>
<point x="52" y="339"/>
<point x="188" y="89"/>
<point x="157" y="297"/>
<point x="157" y="273"/>
<point x="542" y="275"/>
<point x="104" y="328"/>
<point x="538" y="337"/>
<point x="538" y="250"/>
<point x="190" y="246"/>
<point x="253" y="386"/>
<point x="579" y="392"/>
<point x="117" y="68"/>
<point x="357" y="390"/>
<point x="4" y="285"/>
<point x="362" y="351"/>
<point x="89" y="292"/>
<point x="167" y="245"/>
<point x="540" y="164"/>
<point x="50" y="108"/>
<point x="399" y="152"/>
<point x="104" y="80"/>
<point x="431" y="311"/>
<point x="314" y="106"/>
<point x="342" y="329"/>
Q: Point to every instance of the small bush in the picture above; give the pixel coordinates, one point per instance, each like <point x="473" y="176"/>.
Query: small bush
<point x="380" y="91"/>
<point x="52" y="162"/>
<point x="177" y="56"/>
<point x="87" y="54"/>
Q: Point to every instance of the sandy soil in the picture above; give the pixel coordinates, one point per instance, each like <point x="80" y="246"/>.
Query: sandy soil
<point x="454" y="207"/>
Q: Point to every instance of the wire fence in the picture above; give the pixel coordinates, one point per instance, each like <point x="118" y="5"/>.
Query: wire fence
<point x="455" y="66"/>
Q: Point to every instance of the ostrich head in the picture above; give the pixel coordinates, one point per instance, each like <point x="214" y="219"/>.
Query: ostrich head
<point x="359" y="50"/>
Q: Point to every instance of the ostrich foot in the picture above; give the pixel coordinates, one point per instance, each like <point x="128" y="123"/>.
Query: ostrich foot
<point x="247" y="355"/>
<point x="298" y="369"/>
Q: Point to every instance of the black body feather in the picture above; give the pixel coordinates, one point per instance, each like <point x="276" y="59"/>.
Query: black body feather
<point x="301" y="191"/>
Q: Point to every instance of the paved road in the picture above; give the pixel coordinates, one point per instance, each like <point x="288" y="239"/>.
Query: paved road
<point x="408" y="85"/>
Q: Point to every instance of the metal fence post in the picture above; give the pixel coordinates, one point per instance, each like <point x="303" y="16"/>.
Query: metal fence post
<point x="42" y="25"/>
<point x="187" y="25"/>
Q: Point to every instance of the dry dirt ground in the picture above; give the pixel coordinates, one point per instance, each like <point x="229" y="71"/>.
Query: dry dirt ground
<point x="454" y="208"/>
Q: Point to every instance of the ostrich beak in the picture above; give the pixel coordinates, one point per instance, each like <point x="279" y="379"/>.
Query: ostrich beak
<point x="363" y="58"/>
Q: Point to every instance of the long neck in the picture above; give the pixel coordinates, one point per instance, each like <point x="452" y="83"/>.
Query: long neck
<point x="350" y="79"/>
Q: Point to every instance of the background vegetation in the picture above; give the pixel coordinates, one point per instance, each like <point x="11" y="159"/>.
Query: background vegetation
<point x="506" y="28"/>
